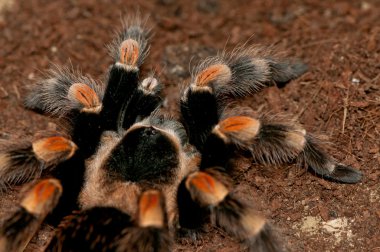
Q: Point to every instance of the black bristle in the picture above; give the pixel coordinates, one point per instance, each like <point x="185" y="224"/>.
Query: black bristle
<point x="282" y="72"/>
<point x="86" y="132"/>
<point x="17" y="230"/>
<point x="200" y="115"/>
<point x="228" y="215"/>
<point x="22" y="166"/>
<point x="121" y="85"/>
<point x="216" y="152"/>
<point x="191" y="215"/>
<point x="267" y="240"/>
<point x="325" y="166"/>
<point x="140" y="106"/>
<point x="231" y="214"/>
<point x="345" y="174"/>
<point x="270" y="145"/>
<point x="148" y="239"/>
<point x="95" y="229"/>
<point x="71" y="175"/>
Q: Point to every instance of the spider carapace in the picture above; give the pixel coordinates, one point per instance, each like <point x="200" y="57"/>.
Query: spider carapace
<point x="121" y="175"/>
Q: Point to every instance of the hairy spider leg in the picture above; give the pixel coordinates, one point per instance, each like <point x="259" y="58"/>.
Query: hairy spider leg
<point x="143" y="102"/>
<point x="27" y="160"/>
<point x="20" y="227"/>
<point x="249" y="71"/>
<point x="199" y="105"/>
<point x="151" y="232"/>
<point x="109" y="229"/>
<point x="275" y="143"/>
<point x="230" y="213"/>
<point x="128" y="51"/>
<point x="94" y="229"/>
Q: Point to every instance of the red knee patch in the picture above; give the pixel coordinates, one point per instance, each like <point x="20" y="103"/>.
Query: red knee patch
<point x="151" y="212"/>
<point x="54" y="149"/>
<point x="45" y="189"/>
<point x="149" y="200"/>
<point x="214" y="73"/>
<point x="240" y="128"/>
<point x="205" y="189"/>
<point x="86" y="96"/>
<point x="129" y="52"/>
<point x="42" y="197"/>
<point x="203" y="182"/>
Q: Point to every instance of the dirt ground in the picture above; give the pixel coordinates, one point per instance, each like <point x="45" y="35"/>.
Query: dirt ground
<point x="338" y="98"/>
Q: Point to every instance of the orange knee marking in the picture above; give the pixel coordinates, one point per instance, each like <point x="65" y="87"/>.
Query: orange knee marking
<point x="212" y="73"/>
<point x="239" y="123"/>
<point x="43" y="196"/>
<point x="84" y="95"/>
<point x="45" y="189"/>
<point x="53" y="148"/>
<point x="129" y="52"/>
<point x="151" y="212"/>
<point x="205" y="189"/>
<point x="149" y="200"/>
<point x="203" y="182"/>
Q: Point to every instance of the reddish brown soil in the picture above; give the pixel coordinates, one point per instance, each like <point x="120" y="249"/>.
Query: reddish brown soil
<point x="339" y="97"/>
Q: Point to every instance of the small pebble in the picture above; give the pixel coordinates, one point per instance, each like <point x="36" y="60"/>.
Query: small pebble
<point x="355" y="81"/>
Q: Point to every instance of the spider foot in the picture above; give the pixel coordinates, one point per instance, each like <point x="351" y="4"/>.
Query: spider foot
<point x="326" y="166"/>
<point x="344" y="174"/>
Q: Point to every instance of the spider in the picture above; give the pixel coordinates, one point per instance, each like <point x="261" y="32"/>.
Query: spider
<point x="121" y="175"/>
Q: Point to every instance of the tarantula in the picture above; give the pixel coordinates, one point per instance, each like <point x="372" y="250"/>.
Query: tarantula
<point x="135" y="176"/>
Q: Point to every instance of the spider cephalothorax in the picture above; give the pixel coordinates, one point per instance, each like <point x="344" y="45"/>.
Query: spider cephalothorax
<point x="131" y="177"/>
